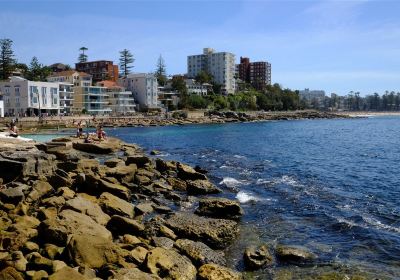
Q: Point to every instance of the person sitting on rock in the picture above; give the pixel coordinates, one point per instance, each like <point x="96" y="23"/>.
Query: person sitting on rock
<point x="13" y="130"/>
<point x="101" y="134"/>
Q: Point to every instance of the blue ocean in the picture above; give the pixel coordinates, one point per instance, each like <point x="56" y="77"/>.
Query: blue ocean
<point x="329" y="185"/>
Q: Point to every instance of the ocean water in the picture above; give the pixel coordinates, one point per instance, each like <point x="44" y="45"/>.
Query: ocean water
<point x="330" y="185"/>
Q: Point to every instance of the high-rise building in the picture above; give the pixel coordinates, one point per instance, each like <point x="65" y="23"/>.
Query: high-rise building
<point x="100" y="70"/>
<point x="258" y="74"/>
<point x="221" y="65"/>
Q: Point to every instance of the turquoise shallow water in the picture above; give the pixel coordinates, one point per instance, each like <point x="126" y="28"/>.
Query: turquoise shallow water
<point x="330" y="185"/>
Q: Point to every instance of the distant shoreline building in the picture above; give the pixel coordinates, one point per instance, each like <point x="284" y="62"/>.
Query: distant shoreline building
<point x="258" y="74"/>
<point x="100" y="70"/>
<point x="221" y="65"/>
<point x="313" y="98"/>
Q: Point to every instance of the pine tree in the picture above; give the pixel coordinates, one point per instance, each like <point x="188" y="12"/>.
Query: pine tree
<point x="34" y="69"/>
<point x="83" y="57"/>
<point x="7" y="61"/>
<point x="125" y="59"/>
<point x="161" y="71"/>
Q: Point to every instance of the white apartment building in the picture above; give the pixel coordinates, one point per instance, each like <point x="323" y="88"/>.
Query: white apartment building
<point x="221" y="65"/>
<point x="197" y="88"/>
<point x="120" y="100"/>
<point x="144" y="88"/>
<point x="24" y="97"/>
<point x="1" y="106"/>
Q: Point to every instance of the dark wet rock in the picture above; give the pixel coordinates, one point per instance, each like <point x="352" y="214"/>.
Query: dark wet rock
<point x="198" y="187"/>
<point x="87" y="207"/>
<point x="68" y="222"/>
<point x="217" y="272"/>
<point x="168" y="264"/>
<point x="294" y="254"/>
<point x="60" y="178"/>
<point x="92" y="251"/>
<point x="144" y="208"/>
<point x="219" y="208"/>
<point x="217" y="233"/>
<point x="121" y="225"/>
<point x="113" y="205"/>
<point x="134" y="274"/>
<point x="257" y="257"/>
<point x="200" y="170"/>
<point x="94" y="184"/>
<point x="154" y="152"/>
<point x="199" y="252"/>
<point x="114" y="162"/>
<point x="142" y="180"/>
<point x="186" y="172"/>
<point x="163" y="165"/>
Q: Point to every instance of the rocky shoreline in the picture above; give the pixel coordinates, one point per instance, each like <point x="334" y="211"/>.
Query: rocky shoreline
<point x="176" y="118"/>
<point x="74" y="210"/>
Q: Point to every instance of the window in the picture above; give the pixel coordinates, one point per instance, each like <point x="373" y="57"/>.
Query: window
<point x="34" y="94"/>
<point x="7" y="90"/>
<point x="54" y="96"/>
<point x="44" y="96"/>
<point x="16" y="89"/>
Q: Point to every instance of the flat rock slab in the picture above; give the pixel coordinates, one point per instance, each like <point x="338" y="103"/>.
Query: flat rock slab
<point x="217" y="233"/>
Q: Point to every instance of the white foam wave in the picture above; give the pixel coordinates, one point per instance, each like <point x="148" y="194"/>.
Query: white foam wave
<point x="378" y="224"/>
<point x="244" y="197"/>
<point x="230" y="182"/>
<point x="224" y="166"/>
<point x="239" y="156"/>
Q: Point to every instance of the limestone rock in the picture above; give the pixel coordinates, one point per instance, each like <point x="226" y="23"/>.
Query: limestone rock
<point x="199" y="252"/>
<point x="216" y="272"/>
<point x="257" y="257"/>
<point x="217" y="233"/>
<point x="13" y="195"/>
<point x="113" y="205"/>
<point x="163" y="242"/>
<point x="134" y="274"/>
<point x="9" y="273"/>
<point x="219" y="208"/>
<point x="177" y="184"/>
<point x="67" y="273"/>
<point x="123" y="173"/>
<point x="168" y="264"/>
<point x="139" y="254"/>
<point x="294" y="254"/>
<point x="87" y="207"/>
<point x="57" y="230"/>
<point x="121" y="225"/>
<point x="139" y="160"/>
<point x="187" y="172"/>
<point x="92" y="251"/>
<point x="201" y="187"/>
<point x="40" y="189"/>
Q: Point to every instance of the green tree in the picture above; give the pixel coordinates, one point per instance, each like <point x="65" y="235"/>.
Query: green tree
<point x="161" y="72"/>
<point x="125" y="61"/>
<point x="7" y="61"/>
<point x="37" y="71"/>
<point x="82" y="56"/>
<point x="204" y="77"/>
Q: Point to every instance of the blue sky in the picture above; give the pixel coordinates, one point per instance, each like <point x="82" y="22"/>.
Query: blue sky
<point x="338" y="46"/>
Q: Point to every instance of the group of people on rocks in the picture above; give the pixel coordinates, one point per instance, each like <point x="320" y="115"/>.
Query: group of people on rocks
<point x="90" y="137"/>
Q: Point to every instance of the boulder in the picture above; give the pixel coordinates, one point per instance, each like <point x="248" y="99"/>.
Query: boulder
<point x="294" y="254"/>
<point x="163" y="242"/>
<point x="10" y="273"/>
<point x="121" y="225"/>
<point x="177" y="184"/>
<point x="143" y="208"/>
<point x="56" y="230"/>
<point x="106" y="147"/>
<point x="87" y="207"/>
<point x="113" y="205"/>
<point x="138" y="254"/>
<point x="67" y="273"/>
<point x="199" y="252"/>
<point x="219" y="208"/>
<point x="38" y="262"/>
<point x="18" y="261"/>
<point x="217" y="233"/>
<point x="216" y="272"/>
<point x="123" y="173"/>
<point x="168" y="264"/>
<point x="40" y="189"/>
<point x="186" y="172"/>
<point x="114" y="162"/>
<point x="133" y="274"/>
<point x="60" y="178"/>
<point x="92" y="251"/>
<point x="139" y="160"/>
<point x="199" y="187"/>
<point x="54" y="201"/>
<point x="257" y="257"/>
<point x="66" y="192"/>
<point x="10" y="170"/>
<point x="13" y="195"/>
<point x="95" y="185"/>
<point x="163" y="165"/>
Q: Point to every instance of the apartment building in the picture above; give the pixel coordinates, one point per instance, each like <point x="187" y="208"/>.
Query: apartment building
<point x="258" y="74"/>
<point x="197" y="88"/>
<point x="23" y="97"/>
<point x="1" y="105"/>
<point x="120" y="100"/>
<point x="221" y="65"/>
<point x="73" y="77"/>
<point x="313" y="98"/>
<point x="100" y="70"/>
<point x="144" y="87"/>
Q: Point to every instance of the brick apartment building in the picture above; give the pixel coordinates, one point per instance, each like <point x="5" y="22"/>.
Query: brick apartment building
<point x="100" y="70"/>
<point x="258" y="74"/>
